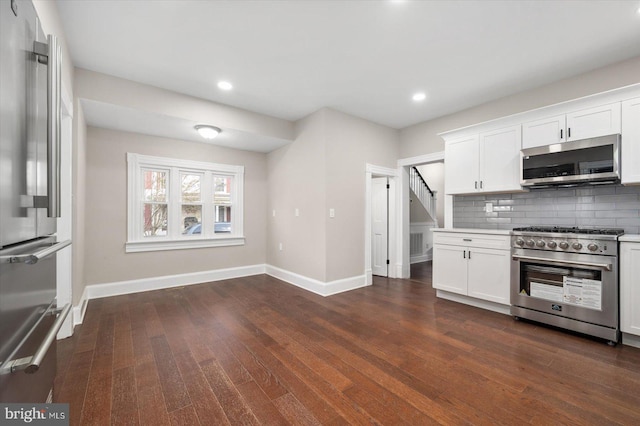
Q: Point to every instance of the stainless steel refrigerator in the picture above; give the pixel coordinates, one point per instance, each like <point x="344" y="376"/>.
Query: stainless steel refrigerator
<point x="29" y="204"/>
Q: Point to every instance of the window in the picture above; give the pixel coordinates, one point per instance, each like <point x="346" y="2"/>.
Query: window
<point x="176" y="204"/>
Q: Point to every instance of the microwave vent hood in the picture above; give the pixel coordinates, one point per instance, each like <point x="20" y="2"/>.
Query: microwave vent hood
<point x="586" y="161"/>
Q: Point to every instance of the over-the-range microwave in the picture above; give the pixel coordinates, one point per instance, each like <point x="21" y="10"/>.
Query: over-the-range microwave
<point x="585" y="161"/>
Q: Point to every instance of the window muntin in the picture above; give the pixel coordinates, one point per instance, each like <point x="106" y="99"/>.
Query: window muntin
<point x="183" y="204"/>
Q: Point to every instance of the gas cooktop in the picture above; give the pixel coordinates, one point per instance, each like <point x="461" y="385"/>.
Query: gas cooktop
<point x="571" y="230"/>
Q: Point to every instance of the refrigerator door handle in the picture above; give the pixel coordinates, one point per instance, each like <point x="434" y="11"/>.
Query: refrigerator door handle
<point x="51" y="54"/>
<point x="33" y="258"/>
<point x="31" y="364"/>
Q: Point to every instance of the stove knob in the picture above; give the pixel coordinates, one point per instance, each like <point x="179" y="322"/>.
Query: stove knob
<point x="564" y="245"/>
<point x="520" y="242"/>
<point x="552" y="244"/>
<point x="592" y="247"/>
<point x="531" y="243"/>
<point x="540" y="243"/>
<point x="577" y="246"/>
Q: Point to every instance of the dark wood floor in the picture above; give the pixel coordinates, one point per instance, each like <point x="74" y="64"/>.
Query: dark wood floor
<point x="259" y="351"/>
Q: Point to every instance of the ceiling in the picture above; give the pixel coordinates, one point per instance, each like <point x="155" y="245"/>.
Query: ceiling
<point x="288" y="59"/>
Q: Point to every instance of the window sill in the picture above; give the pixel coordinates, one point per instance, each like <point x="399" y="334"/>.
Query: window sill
<point x="159" y="245"/>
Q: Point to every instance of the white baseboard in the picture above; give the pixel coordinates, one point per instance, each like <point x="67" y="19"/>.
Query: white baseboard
<point x="316" y="286"/>
<point x="97" y="291"/>
<point x="422" y="258"/>
<point x="472" y="301"/>
<point x="631" y="340"/>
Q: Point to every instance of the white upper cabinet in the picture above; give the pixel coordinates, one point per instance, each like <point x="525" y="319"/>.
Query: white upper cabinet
<point x="462" y="167"/>
<point x="500" y="160"/>
<point x="630" y="151"/>
<point x="593" y="122"/>
<point x="587" y="123"/>
<point x="488" y="162"/>
<point x="547" y="131"/>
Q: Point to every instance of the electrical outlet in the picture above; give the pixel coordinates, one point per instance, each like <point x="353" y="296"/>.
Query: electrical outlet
<point x="274" y="213"/>
<point x="297" y="212"/>
<point x="332" y="213"/>
<point x="488" y="207"/>
<point x="280" y="246"/>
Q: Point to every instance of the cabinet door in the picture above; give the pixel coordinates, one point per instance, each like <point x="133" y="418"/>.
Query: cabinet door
<point x="461" y="166"/>
<point x="631" y="141"/>
<point x="542" y="132"/>
<point x="450" y="268"/>
<point x="500" y="159"/>
<point x="629" y="288"/>
<point x="489" y="274"/>
<point x="593" y="122"/>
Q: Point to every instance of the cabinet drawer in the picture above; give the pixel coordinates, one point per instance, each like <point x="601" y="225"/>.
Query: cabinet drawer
<point x="472" y="240"/>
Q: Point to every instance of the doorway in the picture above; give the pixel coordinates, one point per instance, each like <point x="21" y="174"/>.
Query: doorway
<point x="380" y="226"/>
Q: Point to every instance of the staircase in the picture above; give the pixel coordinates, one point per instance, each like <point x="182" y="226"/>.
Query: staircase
<point x="423" y="193"/>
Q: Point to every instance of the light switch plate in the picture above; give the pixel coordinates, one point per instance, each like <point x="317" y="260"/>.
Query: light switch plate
<point x="332" y="212"/>
<point x="488" y="207"/>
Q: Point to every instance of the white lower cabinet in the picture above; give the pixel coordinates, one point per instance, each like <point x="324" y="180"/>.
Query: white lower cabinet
<point x="475" y="265"/>
<point x="630" y="287"/>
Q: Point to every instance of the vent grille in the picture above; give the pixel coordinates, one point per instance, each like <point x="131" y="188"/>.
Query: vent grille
<point x="416" y="244"/>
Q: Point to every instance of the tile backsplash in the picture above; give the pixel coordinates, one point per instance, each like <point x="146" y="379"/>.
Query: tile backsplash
<point x="610" y="206"/>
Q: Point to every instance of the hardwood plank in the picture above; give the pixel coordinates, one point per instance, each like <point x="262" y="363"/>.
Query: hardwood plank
<point x="173" y="388"/>
<point x="255" y="350"/>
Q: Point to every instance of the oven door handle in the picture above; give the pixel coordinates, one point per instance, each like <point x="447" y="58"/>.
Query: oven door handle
<point x="559" y="262"/>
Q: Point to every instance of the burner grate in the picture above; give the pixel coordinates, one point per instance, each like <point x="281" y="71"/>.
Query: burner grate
<point x="572" y="230"/>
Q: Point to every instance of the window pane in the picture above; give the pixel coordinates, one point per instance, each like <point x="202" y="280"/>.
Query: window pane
<point x="155" y="220"/>
<point x="222" y="190"/>
<point x="155" y="185"/>
<point x="192" y="219"/>
<point x="190" y="188"/>
<point x="222" y="219"/>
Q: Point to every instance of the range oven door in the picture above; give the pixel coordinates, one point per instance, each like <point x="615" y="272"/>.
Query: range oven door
<point x="577" y="286"/>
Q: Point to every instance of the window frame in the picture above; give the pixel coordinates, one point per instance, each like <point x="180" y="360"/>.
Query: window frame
<point x="175" y="240"/>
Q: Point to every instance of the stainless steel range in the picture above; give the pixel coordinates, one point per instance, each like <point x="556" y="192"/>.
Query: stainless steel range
<point x="567" y="277"/>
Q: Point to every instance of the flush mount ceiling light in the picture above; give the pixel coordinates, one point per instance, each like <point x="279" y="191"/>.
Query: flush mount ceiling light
<point x="419" y="97"/>
<point x="225" y="85"/>
<point x="208" y="132"/>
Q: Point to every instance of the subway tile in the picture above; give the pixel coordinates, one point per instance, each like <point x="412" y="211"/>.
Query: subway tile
<point x="628" y="205"/>
<point x="627" y="189"/>
<point x="542" y="214"/>
<point x="596" y="206"/>
<point x="596" y="222"/>
<point x="498" y="220"/>
<point x="620" y="198"/>
<point x="576" y="214"/>
<point x="635" y="221"/>
<point x="604" y="190"/>
<point x="508" y="202"/>
<point x="565" y="207"/>
<point x="617" y="213"/>
<point x="512" y="214"/>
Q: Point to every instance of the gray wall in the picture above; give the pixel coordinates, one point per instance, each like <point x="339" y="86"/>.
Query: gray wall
<point x="324" y="168"/>
<point x="611" y="206"/>
<point x="423" y="138"/>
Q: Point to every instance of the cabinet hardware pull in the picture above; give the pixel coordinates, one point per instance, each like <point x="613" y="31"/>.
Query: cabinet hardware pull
<point x="569" y="132"/>
<point x="480" y="184"/>
<point x="464" y="254"/>
<point x="560" y="133"/>
<point x="467" y="239"/>
<point x="469" y="254"/>
<point x="476" y="184"/>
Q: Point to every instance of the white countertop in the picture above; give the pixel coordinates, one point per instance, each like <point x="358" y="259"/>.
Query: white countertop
<point x="476" y="231"/>
<point x="629" y="238"/>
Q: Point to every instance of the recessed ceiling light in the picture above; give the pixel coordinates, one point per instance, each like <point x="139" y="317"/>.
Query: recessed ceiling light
<point x="419" y="97"/>
<point x="225" y="85"/>
<point x="207" y="132"/>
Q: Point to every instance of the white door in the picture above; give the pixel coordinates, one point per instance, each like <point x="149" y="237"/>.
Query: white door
<point x="379" y="226"/>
